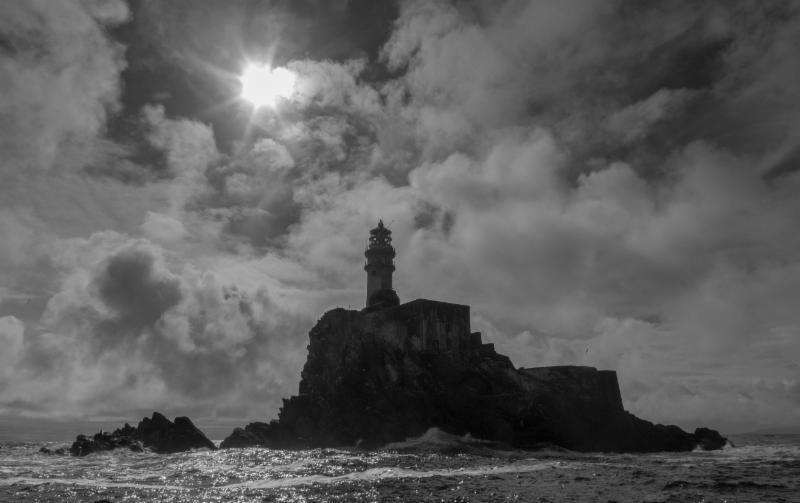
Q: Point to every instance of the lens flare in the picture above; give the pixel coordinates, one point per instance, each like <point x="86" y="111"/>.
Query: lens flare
<point x="262" y="86"/>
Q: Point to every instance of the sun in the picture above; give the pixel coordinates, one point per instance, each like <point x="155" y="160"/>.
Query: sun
<point x="262" y="86"/>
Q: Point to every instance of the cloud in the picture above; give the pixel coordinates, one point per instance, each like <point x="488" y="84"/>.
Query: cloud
<point x="12" y="339"/>
<point x="328" y="126"/>
<point x="604" y="186"/>
<point x="134" y="290"/>
<point x="469" y="71"/>
<point x="326" y="84"/>
<point x="61" y="72"/>
<point x="20" y="248"/>
<point x="132" y="328"/>
<point x="162" y="228"/>
<point x="634" y="121"/>
<point x="61" y="79"/>
<point x="242" y="28"/>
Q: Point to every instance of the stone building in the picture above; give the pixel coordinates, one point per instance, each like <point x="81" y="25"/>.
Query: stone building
<point x="443" y="328"/>
<point x="422" y="324"/>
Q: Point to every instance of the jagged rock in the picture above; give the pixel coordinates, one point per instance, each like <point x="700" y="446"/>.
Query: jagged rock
<point x="709" y="440"/>
<point x="161" y="435"/>
<point x="104" y="441"/>
<point x="378" y="376"/>
<point x="252" y="435"/>
<point x="60" y="451"/>
<point x="157" y="433"/>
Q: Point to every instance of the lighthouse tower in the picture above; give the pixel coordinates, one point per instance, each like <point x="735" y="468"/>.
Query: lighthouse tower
<point x="379" y="267"/>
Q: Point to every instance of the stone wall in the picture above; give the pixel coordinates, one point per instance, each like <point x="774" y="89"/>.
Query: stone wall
<point x="580" y="380"/>
<point x="427" y="325"/>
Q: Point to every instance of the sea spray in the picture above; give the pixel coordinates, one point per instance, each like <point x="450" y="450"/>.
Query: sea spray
<point x="420" y="469"/>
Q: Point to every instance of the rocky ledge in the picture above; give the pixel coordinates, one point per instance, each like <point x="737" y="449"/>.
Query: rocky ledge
<point x="377" y="377"/>
<point x="156" y="433"/>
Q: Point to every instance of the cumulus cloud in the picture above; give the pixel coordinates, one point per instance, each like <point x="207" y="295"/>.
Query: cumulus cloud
<point x="22" y="231"/>
<point x="60" y="78"/>
<point x="130" y="286"/>
<point x="634" y="121"/>
<point x="60" y="81"/>
<point x="171" y="338"/>
<point x="326" y="84"/>
<point x="605" y="187"/>
<point x="162" y="228"/>
<point x="676" y="263"/>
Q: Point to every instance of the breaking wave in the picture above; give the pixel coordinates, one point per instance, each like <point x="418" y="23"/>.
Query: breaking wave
<point x="434" y="466"/>
<point x="436" y="440"/>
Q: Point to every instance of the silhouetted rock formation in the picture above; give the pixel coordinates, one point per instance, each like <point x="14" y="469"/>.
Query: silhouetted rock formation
<point x="104" y="441"/>
<point x="157" y="433"/>
<point x="709" y="440"/>
<point x="375" y="377"/>
<point x="252" y="435"/>
<point x="59" y="451"/>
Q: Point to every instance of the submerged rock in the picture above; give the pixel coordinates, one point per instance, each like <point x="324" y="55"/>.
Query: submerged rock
<point x="104" y="441"/>
<point x="59" y="451"/>
<point x="709" y="440"/>
<point x="379" y="376"/>
<point x="156" y="433"/>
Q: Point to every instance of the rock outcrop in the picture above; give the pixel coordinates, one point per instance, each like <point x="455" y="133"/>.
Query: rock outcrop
<point x="156" y="433"/>
<point x="375" y="377"/>
<point x="59" y="451"/>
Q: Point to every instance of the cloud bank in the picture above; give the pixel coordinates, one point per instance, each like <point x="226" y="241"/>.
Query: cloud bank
<point x="609" y="185"/>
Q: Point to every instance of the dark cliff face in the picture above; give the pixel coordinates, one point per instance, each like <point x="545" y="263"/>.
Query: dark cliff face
<point x="379" y="377"/>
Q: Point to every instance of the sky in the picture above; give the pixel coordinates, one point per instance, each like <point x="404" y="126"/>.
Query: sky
<point x="612" y="184"/>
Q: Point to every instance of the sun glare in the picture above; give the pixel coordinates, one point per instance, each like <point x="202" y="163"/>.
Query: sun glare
<point x="262" y="85"/>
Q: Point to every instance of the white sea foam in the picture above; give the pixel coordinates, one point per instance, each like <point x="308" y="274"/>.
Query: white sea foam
<point x="432" y="436"/>
<point x="434" y="466"/>
<point x="374" y="474"/>
<point x="29" y="481"/>
<point x="435" y="439"/>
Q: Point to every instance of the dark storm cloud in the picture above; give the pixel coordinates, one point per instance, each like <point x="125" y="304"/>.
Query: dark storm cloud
<point x="129" y="285"/>
<point x="185" y="54"/>
<point x="295" y="29"/>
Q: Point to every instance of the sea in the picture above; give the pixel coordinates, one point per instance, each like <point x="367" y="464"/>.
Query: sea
<point x="436" y="467"/>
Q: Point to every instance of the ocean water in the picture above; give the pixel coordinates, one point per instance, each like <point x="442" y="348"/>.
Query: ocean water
<point x="435" y="467"/>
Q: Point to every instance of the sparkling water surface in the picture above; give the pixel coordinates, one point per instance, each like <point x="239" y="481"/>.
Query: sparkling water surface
<point x="435" y="467"/>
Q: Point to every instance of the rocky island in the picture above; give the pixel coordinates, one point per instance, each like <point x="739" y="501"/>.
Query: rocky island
<point x="156" y="433"/>
<point x="391" y="371"/>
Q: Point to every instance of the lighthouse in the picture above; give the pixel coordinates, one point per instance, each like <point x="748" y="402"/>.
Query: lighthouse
<point x="379" y="267"/>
